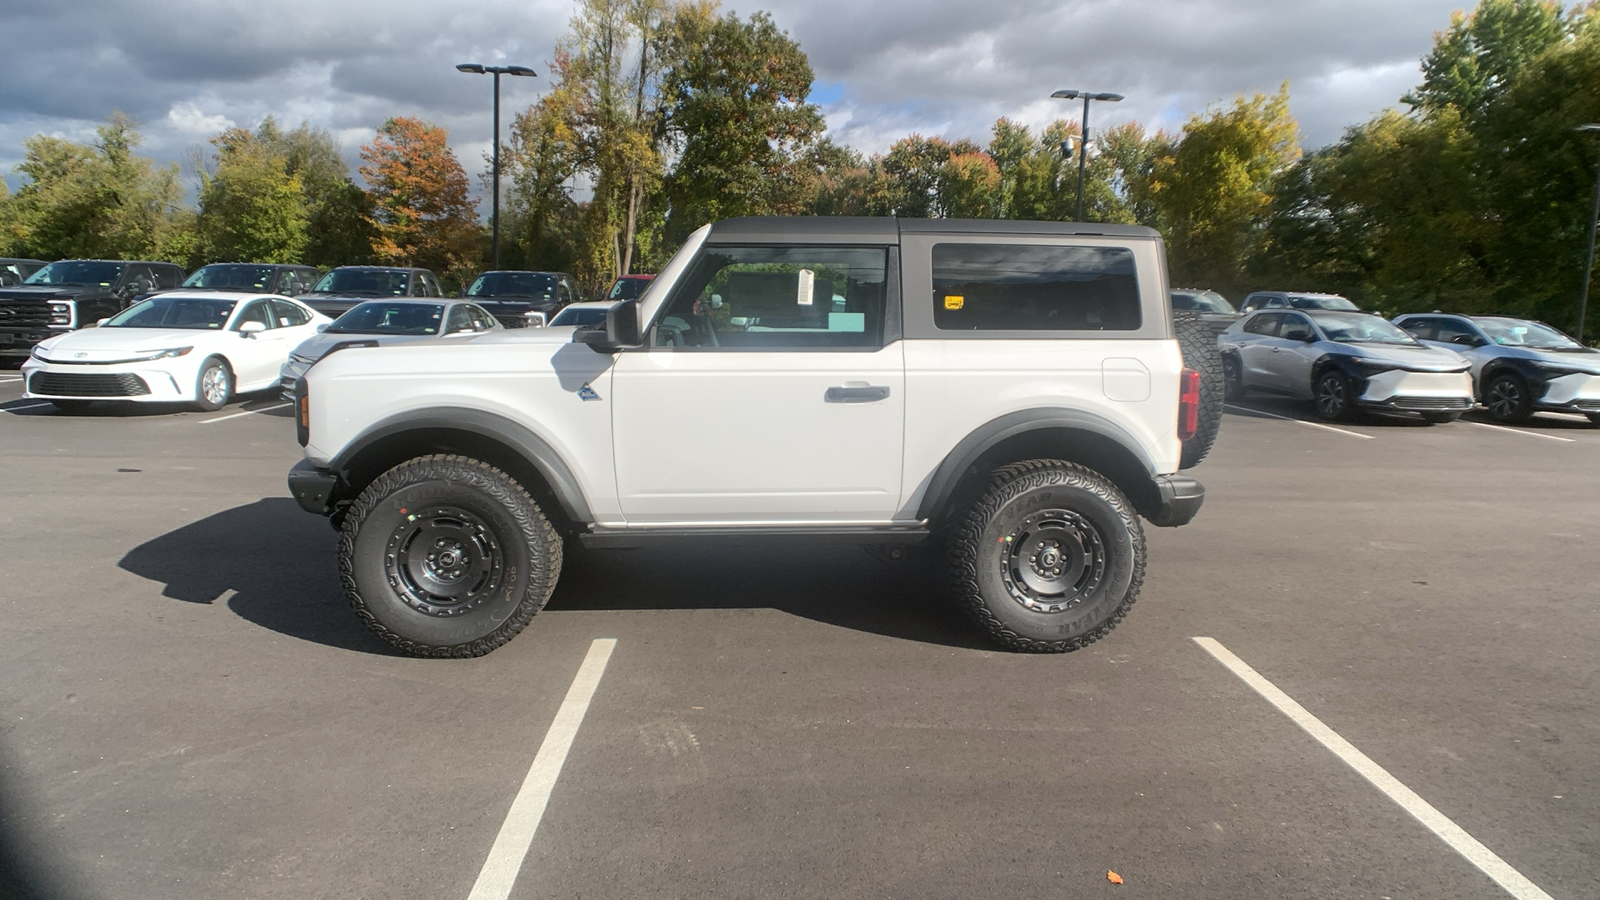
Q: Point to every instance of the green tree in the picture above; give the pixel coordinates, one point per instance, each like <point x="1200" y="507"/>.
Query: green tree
<point x="740" y="124"/>
<point x="1483" y="54"/>
<point x="252" y="208"/>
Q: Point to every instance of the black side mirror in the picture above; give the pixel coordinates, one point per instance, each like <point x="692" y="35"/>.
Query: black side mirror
<point x="620" y="331"/>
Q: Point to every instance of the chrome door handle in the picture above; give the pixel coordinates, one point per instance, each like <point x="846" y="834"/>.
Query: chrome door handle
<point x="856" y="394"/>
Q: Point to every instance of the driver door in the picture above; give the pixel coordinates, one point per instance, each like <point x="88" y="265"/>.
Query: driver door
<point x="1292" y="355"/>
<point x="257" y="358"/>
<point x="771" y="391"/>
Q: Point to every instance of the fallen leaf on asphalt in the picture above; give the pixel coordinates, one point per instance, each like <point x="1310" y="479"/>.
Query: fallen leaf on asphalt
<point x="1114" y="878"/>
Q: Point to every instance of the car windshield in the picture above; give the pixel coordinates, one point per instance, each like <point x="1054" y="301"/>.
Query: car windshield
<point x="233" y="276"/>
<point x="1201" y="301"/>
<point x="377" y="282"/>
<point x="1360" y="328"/>
<point x="1524" y="333"/>
<point x="390" y="318"/>
<point x="199" y="313"/>
<point x="1329" y="302"/>
<point x="593" y="315"/>
<point x="627" y="288"/>
<point x="104" y="274"/>
<point x="513" y="284"/>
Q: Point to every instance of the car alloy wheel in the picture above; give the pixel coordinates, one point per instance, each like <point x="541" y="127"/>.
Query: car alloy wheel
<point x="214" y="386"/>
<point x="1333" y="395"/>
<point x="1507" y="399"/>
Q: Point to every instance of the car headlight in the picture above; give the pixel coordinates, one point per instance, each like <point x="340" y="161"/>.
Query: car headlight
<point x="60" y="314"/>
<point x="163" y="354"/>
<point x="1552" y="370"/>
<point x="38" y="353"/>
<point x="1374" y="366"/>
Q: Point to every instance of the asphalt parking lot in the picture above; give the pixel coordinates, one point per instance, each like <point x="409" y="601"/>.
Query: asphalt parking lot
<point x="189" y="710"/>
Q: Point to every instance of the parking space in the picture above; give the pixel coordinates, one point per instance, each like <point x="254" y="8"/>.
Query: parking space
<point x="191" y="711"/>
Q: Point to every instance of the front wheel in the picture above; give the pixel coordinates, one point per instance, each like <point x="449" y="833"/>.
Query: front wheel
<point x="1440" y="418"/>
<point x="213" y="386"/>
<point x="446" y="556"/>
<point x="1232" y="377"/>
<point x="1049" y="559"/>
<point x="1507" y="398"/>
<point x="1334" y="395"/>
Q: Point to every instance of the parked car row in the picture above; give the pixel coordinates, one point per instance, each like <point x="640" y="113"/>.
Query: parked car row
<point x="39" y="299"/>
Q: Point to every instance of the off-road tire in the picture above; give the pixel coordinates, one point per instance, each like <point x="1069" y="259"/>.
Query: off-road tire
<point x="1507" y="398"/>
<point x="200" y="380"/>
<point x="1198" y="341"/>
<point x="1012" y="515"/>
<point x="1440" y="418"/>
<point x="381" y="542"/>
<point x="72" y="407"/>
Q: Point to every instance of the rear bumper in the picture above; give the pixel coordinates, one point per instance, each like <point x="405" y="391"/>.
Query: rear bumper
<point x="312" y="487"/>
<point x="1178" y="499"/>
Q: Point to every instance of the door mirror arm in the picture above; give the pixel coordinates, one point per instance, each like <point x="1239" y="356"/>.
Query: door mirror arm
<point x="620" y="331"/>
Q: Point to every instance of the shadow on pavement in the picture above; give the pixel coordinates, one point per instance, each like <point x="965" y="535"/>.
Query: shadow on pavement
<point x="31" y="867"/>
<point x="1259" y="407"/>
<point x="836" y="585"/>
<point x="278" y="560"/>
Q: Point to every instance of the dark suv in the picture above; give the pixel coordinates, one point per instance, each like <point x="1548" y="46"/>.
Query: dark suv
<point x="517" y="298"/>
<point x="73" y="293"/>
<point x="254" y="278"/>
<point x="344" y="287"/>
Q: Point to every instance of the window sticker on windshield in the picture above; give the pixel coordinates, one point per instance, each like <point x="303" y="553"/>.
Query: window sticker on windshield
<point x="807" y="284"/>
<point x="954" y="301"/>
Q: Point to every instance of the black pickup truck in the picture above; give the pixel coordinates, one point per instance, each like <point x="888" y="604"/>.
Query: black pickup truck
<point x="342" y="288"/>
<point x="519" y="298"/>
<point x="74" y="293"/>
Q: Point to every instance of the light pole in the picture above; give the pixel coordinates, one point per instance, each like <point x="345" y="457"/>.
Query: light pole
<point x="496" y="71"/>
<point x="1084" y="143"/>
<point x="1594" y="222"/>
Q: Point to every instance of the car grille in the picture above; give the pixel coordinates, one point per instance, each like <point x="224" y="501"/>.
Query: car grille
<point x="24" y="314"/>
<point x="59" y="384"/>
<point x="1421" y="403"/>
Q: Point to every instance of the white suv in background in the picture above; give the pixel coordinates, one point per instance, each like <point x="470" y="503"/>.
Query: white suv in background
<point x="1010" y="393"/>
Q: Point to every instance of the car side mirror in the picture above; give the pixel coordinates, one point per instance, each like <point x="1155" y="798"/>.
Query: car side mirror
<point x="619" y="332"/>
<point x="251" y="329"/>
<point x="322" y="326"/>
<point x="100" y="322"/>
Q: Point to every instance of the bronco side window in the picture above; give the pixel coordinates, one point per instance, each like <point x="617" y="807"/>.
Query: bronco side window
<point x="1034" y="287"/>
<point x="758" y="298"/>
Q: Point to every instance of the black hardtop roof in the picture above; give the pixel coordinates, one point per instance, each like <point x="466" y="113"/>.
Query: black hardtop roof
<point x="888" y="229"/>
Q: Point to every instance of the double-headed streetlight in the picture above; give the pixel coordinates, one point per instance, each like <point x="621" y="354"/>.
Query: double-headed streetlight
<point x="496" y="71"/>
<point x="1594" y="222"/>
<point x="1084" y="141"/>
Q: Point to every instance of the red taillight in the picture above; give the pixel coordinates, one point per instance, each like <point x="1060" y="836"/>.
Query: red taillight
<point x="1188" y="404"/>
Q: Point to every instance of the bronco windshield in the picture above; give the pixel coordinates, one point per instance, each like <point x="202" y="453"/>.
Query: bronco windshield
<point x="198" y="313"/>
<point x="389" y="318"/>
<point x="1360" y="328"/>
<point x="104" y="274"/>
<point x="1525" y="333"/>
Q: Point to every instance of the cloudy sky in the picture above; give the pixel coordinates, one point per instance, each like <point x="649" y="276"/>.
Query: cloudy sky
<point x="185" y="69"/>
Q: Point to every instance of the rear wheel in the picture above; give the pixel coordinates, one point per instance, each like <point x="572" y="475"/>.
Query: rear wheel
<point x="1507" y="398"/>
<point x="1049" y="559"/>
<point x="1334" y="395"/>
<point x="1232" y="377"/>
<point x="1440" y="418"/>
<point x="213" y="386"/>
<point x="446" y="556"/>
<point x="72" y="406"/>
<point x="1199" y="345"/>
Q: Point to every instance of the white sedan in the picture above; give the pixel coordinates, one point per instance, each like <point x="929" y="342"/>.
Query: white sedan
<point x="196" y="346"/>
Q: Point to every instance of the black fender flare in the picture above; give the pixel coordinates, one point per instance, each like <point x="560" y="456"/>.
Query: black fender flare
<point x="514" y="436"/>
<point x="990" y="434"/>
<point x="1524" y="368"/>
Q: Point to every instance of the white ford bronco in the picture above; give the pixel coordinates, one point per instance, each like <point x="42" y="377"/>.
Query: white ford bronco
<point x="1011" y="394"/>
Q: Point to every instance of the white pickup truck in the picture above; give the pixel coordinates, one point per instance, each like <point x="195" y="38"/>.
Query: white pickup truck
<point x="1012" y="394"/>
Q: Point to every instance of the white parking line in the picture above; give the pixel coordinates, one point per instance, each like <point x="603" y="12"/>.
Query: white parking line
<point x="29" y="406"/>
<point x="248" y="412"/>
<point x="1465" y="844"/>
<point x="1245" y="409"/>
<point x="500" y="870"/>
<point x="4" y="380"/>
<point x="1548" y="437"/>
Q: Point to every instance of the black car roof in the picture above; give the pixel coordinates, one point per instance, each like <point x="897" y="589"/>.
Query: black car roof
<point x="888" y="230"/>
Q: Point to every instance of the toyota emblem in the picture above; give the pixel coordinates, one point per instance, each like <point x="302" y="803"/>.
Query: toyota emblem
<point x="79" y="355"/>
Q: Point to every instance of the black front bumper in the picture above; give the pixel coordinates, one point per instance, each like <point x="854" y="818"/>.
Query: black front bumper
<point x="312" y="487"/>
<point x="1178" y="498"/>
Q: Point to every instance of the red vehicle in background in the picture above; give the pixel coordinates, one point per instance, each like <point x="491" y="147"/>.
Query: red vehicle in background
<point x="628" y="287"/>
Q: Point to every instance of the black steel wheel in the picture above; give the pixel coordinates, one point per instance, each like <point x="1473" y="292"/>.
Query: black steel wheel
<point x="1334" y="395"/>
<point x="447" y="556"/>
<point x="1050" y="557"/>
<point x="1507" y="398"/>
<point x="213" y="386"/>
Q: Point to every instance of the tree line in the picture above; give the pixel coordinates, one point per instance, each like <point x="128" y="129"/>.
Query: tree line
<point x="667" y="114"/>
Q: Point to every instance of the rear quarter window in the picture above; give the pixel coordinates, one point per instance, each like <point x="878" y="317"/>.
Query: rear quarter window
<point x="1034" y="287"/>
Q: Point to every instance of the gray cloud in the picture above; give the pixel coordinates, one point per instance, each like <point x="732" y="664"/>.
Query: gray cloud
<point x="185" y="68"/>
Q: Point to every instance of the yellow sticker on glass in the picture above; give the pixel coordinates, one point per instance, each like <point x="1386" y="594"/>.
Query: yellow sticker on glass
<point x="954" y="301"/>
